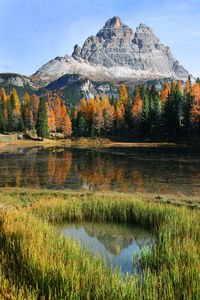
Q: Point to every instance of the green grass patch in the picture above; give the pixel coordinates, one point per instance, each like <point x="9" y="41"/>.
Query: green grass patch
<point x="37" y="263"/>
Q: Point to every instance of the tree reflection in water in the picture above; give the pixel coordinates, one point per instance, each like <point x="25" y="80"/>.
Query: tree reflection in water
<point x="126" y="170"/>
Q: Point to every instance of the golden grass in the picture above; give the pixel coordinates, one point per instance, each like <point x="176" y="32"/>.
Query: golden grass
<point x="40" y="263"/>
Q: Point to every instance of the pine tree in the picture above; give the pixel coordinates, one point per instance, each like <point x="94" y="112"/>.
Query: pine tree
<point x="81" y="126"/>
<point x="42" y="121"/>
<point x="2" y="124"/>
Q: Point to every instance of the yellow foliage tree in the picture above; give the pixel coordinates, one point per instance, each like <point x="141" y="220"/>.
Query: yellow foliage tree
<point x="123" y="95"/>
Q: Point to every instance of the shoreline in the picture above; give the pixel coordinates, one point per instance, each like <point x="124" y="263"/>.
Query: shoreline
<point x="85" y="143"/>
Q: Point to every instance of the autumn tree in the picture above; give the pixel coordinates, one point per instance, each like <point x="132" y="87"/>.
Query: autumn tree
<point x="195" y="107"/>
<point x="3" y="97"/>
<point x="119" y="117"/>
<point x="98" y="119"/>
<point x="123" y="95"/>
<point x="83" y="108"/>
<point x="108" y="113"/>
<point x="52" y="121"/>
<point x="34" y="105"/>
<point x="57" y="109"/>
<point x="15" y="110"/>
<point x="67" y="125"/>
<point x="137" y="107"/>
<point x="164" y="94"/>
<point x="137" y="112"/>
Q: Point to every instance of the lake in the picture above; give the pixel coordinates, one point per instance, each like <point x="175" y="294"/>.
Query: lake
<point x="144" y="170"/>
<point x="116" y="243"/>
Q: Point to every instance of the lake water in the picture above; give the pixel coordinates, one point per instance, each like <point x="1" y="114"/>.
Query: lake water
<point x="116" y="243"/>
<point x="145" y="170"/>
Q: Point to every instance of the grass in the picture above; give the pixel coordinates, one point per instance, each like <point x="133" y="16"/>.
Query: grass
<point x="37" y="263"/>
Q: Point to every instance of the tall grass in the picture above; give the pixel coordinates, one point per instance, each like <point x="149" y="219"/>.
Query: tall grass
<point x="39" y="262"/>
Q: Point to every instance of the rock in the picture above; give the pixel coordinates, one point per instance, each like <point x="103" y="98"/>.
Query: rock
<point x="117" y="53"/>
<point x="114" y="55"/>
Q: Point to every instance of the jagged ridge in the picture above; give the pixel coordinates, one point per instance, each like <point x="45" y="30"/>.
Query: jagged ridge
<point x="116" y="52"/>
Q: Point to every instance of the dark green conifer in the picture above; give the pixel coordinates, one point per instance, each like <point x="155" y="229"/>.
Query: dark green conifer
<point x="42" y="121"/>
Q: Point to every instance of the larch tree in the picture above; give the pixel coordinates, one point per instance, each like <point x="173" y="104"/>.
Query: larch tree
<point x="3" y="97"/>
<point x="123" y="95"/>
<point x="180" y="86"/>
<point x="63" y="111"/>
<point x="26" y="99"/>
<point x="16" y="101"/>
<point x="57" y="109"/>
<point x="98" y="120"/>
<point x="195" y="107"/>
<point x="165" y="91"/>
<point x="34" y="105"/>
<point x="108" y="113"/>
<point x="137" y="107"/>
<point x="67" y="125"/>
<point x="90" y="109"/>
<point x="52" y="121"/>
<point x="83" y="108"/>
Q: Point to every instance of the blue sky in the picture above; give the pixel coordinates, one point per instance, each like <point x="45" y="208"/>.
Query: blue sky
<point x="34" y="31"/>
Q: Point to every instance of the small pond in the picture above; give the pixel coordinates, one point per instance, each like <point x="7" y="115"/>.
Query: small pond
<point x="116" y="243"/>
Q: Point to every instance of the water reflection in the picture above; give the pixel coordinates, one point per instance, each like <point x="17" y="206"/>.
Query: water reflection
<point x="172" y="171"/>
<point x="116" y="243"/>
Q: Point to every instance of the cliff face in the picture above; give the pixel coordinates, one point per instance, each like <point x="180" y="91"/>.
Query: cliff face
<point x="117" y="53"/>
<point x="114" y="55"/>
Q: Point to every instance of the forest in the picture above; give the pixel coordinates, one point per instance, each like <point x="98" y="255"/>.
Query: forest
<point x="172" y="114"/>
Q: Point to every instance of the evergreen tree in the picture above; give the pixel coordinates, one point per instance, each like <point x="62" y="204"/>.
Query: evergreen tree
<point x="10" y="124"/>
<point x="2" y="125"/>
<point x="21" y="123"/>
<point x="81" y="126"/>
<point x="198" y="80"/>
<point x="187" y="103"/>
<point x="145" y="116"/>
<point x="42" y="121"/>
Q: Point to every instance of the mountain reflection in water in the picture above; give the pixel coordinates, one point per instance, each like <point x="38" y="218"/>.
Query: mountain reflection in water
<point x="115" y="242"/>
<point x="166" y="171"/>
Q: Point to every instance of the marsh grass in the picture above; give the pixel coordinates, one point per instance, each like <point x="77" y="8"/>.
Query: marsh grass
<point x="37" y="262"/>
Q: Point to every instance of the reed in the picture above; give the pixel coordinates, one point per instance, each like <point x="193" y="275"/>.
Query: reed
<point x="37" y="262"/>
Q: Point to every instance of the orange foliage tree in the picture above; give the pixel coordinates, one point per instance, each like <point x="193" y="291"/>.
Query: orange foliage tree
<point x="165" y="91"/>
<point x="57" y="109"/>
<point x="137" y="107"/>
<point x="66" y="125"/>
<point x="52" y="121"/>
<point x="123" y="95"/>
<point x="195" y="107"/>
<point x="34" y="105"/>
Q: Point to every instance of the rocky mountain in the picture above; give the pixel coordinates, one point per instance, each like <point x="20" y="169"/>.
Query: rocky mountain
<point x="117" y="53"/>
<point x="114" y="55"/>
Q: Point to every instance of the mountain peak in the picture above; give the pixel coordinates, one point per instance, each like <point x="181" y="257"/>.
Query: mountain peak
<point x="143" y="26"/>
<point x="114" y="22"/>
<point x="121" y="53"/>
